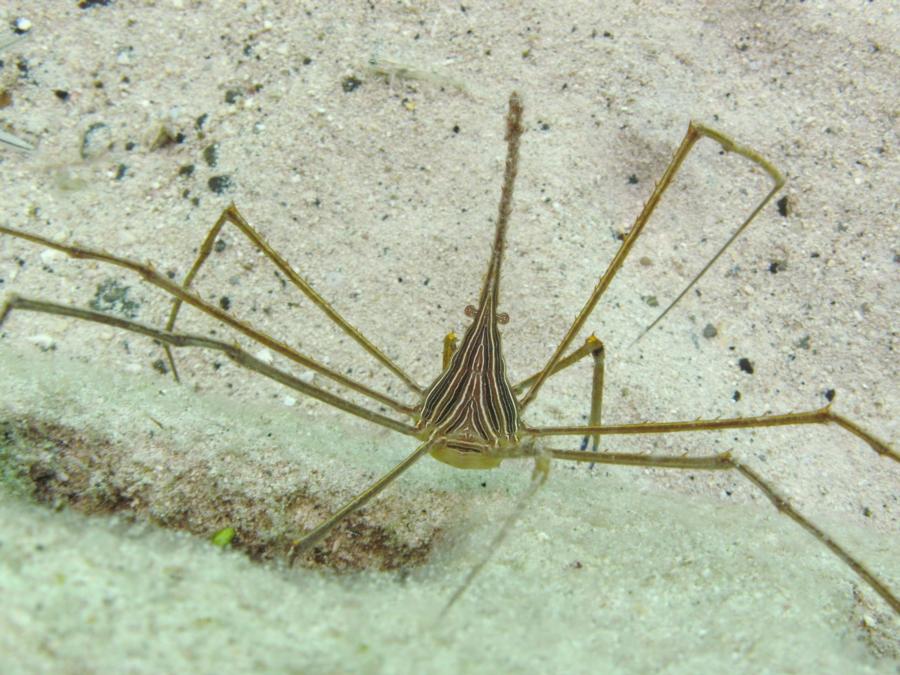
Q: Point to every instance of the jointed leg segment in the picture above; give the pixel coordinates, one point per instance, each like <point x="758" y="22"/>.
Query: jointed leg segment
<point x="821" y="416"/>
<point x="694" y="133"/>
<point x="232" y="351"/>
<point x="310" y="539"/>
<point x="725" y="462"/>
<point x="176" y="291"/>
<point x="231" y="215"/>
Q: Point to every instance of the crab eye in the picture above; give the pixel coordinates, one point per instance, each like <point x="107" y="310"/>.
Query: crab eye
<point x="502" y="318"/>
<point x="470" y="311"/>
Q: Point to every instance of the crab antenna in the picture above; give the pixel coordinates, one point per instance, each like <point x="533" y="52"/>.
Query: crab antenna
<point x="491" y="289"/>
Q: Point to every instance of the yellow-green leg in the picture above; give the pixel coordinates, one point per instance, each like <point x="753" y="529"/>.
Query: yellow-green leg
<point x="694" y="133"/>
<point x="725" y="462"/>
<point x="233" y="216"/>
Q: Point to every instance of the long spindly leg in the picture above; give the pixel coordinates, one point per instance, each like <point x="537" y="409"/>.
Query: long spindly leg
<point x="694" y="133"/>
<point x="593" y="347"/>
<point x="589" y="347"/>
<point x="160" y="281"/>
<point x="313" y="537"/>
<point x="232" y="351"/>
<point x="724" y="462"/>
<point x="599" y="372"/>
<point x="233" y="216"/>
<point x="538" y="478"/>
<point x="821" y="416"/>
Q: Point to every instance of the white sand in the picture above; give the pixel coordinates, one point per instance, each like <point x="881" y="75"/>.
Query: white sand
<point x="360" y="190"/>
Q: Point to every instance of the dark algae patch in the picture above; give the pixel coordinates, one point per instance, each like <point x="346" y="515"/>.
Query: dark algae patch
<point x="64" y="467"/>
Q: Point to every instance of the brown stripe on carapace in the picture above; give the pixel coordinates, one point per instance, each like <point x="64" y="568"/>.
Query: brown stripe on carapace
<point x="473" y="398"/>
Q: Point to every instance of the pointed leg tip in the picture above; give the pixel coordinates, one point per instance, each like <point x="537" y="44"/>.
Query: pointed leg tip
<point x="515" y="111"/>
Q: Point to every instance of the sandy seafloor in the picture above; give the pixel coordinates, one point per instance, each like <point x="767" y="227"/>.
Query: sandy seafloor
<point x="384" y="197"/>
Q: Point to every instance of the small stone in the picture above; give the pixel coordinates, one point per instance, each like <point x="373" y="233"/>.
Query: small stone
<point x="211" y="154"/>
<point x="96" y="141"/>
<point x="51" y="255"/>
<point x="22" y="25"/>
<point x="219" y="184"/>
<point x="45" y="342"/>
<point x="349" y="84"/>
